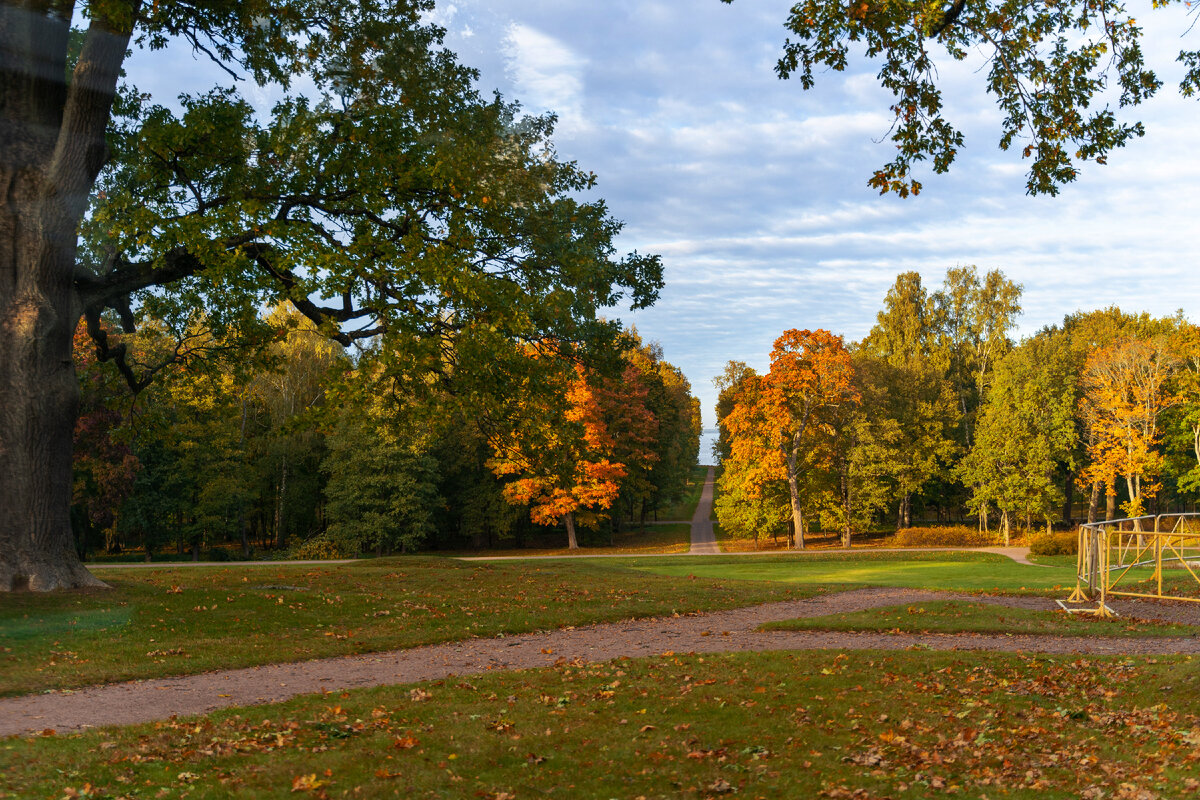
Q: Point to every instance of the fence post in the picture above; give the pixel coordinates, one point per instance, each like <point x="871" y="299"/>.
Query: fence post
<point x="1158" y="554"/>
<point x="1093" y="558"/>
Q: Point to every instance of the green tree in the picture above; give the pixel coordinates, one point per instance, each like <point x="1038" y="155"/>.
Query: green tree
<point x="866" y="449"/>
<point x="676" y="442"/>
<point x="919" y="398"/>
<point x="973" y="319"/>
<point x="1182" y="422"/>
<point x="301" y="365"/>
<point x="1026" y="434"/>
<point x="1049" y="67"/>
<point x="382" y="490"/>
<point x="390" y="199"/>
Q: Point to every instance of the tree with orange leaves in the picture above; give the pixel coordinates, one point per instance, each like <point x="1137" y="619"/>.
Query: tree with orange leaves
<point x="752" y="489"/>
<point x="1125" y="390"/>
<point x="561" y="460"/>
<point x="811" y="376"/>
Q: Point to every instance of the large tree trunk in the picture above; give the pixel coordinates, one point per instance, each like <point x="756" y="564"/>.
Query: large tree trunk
<point x="569" y="521"/>
<point x="794" y="495"/>
<point x="51" y="150"/>
<point x="797" y="512"/>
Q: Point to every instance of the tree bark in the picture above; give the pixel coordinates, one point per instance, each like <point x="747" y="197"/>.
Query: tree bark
<point x="1094" y="502"/>
<point x="1068" y="515"/>
<point x="569" y="521"/>
<point x="52" y="147"/>
<point x="794" y="493"/>
<point x="846" y="503"/>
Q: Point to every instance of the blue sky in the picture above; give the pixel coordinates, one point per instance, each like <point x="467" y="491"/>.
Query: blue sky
<point x="754" y="192"/>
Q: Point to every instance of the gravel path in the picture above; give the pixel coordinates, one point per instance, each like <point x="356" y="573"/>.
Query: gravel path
<point x="724" y="631"/>
<point x="704" y="539"/>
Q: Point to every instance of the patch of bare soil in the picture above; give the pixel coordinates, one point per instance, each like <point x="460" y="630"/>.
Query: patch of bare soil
<point x="723" y="631"/>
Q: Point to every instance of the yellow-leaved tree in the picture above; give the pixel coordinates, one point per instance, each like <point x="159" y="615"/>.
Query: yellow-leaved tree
<point x="1125" y="389"/>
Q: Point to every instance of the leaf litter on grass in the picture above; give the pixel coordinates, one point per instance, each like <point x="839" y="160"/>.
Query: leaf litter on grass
<point x="823" y="724"/>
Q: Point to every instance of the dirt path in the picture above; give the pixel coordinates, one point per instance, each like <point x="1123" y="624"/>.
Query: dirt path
<point x="704" y="539"/>
<point x="733" y="630"/>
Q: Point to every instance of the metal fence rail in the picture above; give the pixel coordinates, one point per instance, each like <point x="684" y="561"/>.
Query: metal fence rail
<point x="1112" y="552"/>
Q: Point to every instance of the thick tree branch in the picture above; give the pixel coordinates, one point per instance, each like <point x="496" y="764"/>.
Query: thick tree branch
<point x="81" y="150"/>
<point x="949" y="19"/>
<point x="115" y="353"/>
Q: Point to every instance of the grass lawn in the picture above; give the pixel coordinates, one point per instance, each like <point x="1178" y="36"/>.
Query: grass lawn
<point x="1067" y="562"/>
<point x="973" y="572"/>
<point x="158" y="622"/>
<point x="867" y="726"/>
<point x="686" y="507"/>
<point x="953" y="616"/>
<point x="675" y="537"/>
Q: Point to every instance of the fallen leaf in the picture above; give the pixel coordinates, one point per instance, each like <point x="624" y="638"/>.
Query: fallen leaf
<point x="307" y="783"/>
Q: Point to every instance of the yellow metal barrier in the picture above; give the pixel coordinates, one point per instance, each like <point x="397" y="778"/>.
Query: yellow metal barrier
<point x="1112" y="553"/>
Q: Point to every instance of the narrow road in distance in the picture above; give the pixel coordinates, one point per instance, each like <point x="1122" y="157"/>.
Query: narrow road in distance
<point x="704" y="540"/>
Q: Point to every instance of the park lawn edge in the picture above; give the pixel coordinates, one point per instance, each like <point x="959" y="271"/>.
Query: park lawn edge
<point x="177" y="622"/>
<point x="964" y="616"/>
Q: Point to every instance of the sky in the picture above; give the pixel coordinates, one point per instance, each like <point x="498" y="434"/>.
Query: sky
<point x="754" y="192"/>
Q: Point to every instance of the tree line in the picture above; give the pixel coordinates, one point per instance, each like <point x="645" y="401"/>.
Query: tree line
<point x="939" y="414"/>
<point x="301" y="446"/>
<point x="383" y="196"/>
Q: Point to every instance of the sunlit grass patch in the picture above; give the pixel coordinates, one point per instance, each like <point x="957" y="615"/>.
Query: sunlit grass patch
<point x="953" y="616"/>
<point x="978" y="572"/>
<point x="168" y="621"/>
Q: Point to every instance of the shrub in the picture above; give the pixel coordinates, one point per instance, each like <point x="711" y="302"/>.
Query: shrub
<point x="1058" y="543"/>
<point x="218" y="554"/>
<point x="948" y="536"/>
<point x="320" y="547"/>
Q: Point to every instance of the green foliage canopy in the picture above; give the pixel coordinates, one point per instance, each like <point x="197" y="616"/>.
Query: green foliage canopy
<point x="1059" y="72"/>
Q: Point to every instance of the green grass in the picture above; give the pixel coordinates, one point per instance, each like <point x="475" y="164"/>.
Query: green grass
<point x="674" y="538"/>
<point x="981" y="572"/>
<point x="652" y="539"/>
<point x="686" y="507"/>
<point x="1066" y="562"/>
<point x="953" y="616"/>
<point x="868" y="725"/>
<point x="732" y="544"/>
<point x="173" y="621"/>
<point x="1177" y="581"/>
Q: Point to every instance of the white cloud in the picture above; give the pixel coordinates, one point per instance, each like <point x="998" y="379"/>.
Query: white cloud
<point x="547" y="74"/>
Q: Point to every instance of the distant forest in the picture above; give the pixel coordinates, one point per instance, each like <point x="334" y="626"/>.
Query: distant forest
<point x="938" y="415"/>
<point x="300" y="447"/>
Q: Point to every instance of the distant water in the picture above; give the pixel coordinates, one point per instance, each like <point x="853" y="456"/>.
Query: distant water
<point x="708" y="438"/>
